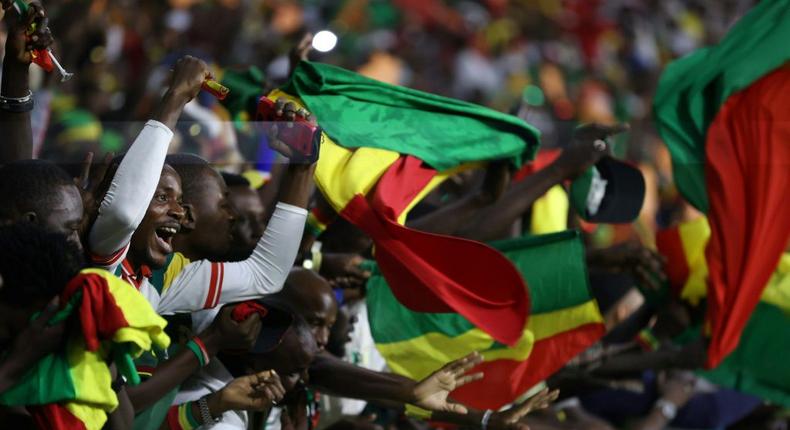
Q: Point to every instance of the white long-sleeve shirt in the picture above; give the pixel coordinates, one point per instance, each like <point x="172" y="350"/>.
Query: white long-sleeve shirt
<point x="183" y="286"/>
<point x="129" y="194"/>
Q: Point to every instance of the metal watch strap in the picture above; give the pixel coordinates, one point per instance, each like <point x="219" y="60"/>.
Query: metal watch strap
<point x="205" y="413"/>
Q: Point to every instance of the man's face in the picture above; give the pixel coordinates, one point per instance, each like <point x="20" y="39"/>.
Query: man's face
<point x="321" y="317"/>
<point x="65" y="214"/>
<point x="214" y="217"/>
<point x="313" y="300"/>
<point x="249" y="225"/>
<point x="153" y="240"/>
<point x="290" y="360"/>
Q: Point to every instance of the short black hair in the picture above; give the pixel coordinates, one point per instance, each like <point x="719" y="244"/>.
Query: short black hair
<point x="234" y="180"/>
<point x="35" y="264"/>
<point x="190" y="168"/>
<point x="27" y="185"/>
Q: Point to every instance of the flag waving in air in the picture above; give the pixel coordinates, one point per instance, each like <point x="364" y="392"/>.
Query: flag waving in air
<point x="564" y="321"/>
<point x="722" y="112"/>
<point x="384" y="148"/>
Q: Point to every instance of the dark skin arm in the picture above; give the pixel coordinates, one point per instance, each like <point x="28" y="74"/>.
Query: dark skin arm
<point x="30" y="346"/>
<point x="453" y="217"/>
<point x="332" y="375"/>
<point x="494" y="221"/>
<point x="15" y="127"/>
<point x="186" y="81"/>
<point x="510" y="419"/>
<point x="628" y="329"/>
<point x="224" y="333"/>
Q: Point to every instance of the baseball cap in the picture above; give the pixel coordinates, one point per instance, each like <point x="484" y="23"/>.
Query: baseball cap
<point x="610" y="192"/>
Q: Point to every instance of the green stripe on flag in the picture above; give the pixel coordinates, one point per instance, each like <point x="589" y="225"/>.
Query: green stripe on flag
<point x="553" y="266"/>
<point x="693" y="88"/>
<point x="356" y="111"/>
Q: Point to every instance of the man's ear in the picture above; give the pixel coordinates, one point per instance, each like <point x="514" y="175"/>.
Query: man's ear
<point x="188" y="223"/>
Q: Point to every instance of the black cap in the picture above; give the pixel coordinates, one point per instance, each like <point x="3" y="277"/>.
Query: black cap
<point x="610" y="192"/>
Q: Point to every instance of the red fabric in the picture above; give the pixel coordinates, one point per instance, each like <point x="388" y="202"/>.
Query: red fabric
<point x="434" y="273"/>
<point x="670" y="245"/>
<point x="54" y="416"/>
<point x="43" y="60"/>
<point x="505" y="380"/>
<point x="747" y="178"/>
<point x="243" y="310"/>
<point x="543" y="158"/>
<point x="99" y="314"/>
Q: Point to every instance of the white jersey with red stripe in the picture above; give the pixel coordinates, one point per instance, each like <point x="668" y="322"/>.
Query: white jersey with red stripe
<point x="184" y="286"/>
<point x="128" y="196"/>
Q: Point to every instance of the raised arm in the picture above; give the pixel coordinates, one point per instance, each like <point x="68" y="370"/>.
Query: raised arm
<point x="134" y="183"/>
<point x="17" y="101"/>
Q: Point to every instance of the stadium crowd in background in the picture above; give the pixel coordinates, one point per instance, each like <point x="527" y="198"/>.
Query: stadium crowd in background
<point x="364" y="214"/>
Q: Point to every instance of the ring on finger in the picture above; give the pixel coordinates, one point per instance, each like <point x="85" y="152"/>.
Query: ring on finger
<point x="599" y="145"/>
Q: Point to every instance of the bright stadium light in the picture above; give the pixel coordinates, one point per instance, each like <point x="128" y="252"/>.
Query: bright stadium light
<point x="324" y="41"/>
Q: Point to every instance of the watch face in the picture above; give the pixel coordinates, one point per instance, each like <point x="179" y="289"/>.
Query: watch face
<point x="667" y="409"/>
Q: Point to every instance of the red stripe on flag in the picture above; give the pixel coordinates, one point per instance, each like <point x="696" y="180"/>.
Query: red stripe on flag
<point x="100" y="315"/>
<point x="747" y="179"/>
<point x="55" y="416"/>
<point x="507" y="379"/>
<point x="670" y="245"/>
<point x="435" y="273"/>
<point x="212" y="286"/>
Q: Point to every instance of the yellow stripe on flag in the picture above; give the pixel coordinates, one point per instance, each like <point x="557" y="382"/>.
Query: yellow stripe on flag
<point x="145" y="328"/>
<point x="343" y="173"/>
<point x="91" y="417"/>
<point x="420" y="356"/>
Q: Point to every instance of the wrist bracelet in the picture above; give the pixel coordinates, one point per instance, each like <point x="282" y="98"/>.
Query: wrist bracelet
<point x="203" y="349"/>
<point x="486" y="419"/>
<point x="199" y="349"/>
<point x="17" y="104"/>
<point x="24" y="99"/>
<point x="205" y="413"/>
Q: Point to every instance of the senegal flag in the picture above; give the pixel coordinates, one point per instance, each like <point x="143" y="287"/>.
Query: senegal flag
<point x="722" y="111"/>
<point x="384" y="148"/>
<point x="71" y="389"/>
<point x="564" y="320"/>
<point x="758" y="365"/>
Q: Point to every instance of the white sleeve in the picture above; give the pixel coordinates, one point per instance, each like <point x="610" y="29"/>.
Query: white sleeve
<point x="205" y="284"/>
<point x="130" y="193"/>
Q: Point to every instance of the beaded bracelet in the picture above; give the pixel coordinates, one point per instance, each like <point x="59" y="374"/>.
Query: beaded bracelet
<point x="199" y="349"/>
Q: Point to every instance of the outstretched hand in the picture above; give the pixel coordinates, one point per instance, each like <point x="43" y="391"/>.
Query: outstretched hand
<point x="431" y="393"/>
<point x="589" y="146"/>
<point x="256" y="392"/>
<point x="510" y="419"/>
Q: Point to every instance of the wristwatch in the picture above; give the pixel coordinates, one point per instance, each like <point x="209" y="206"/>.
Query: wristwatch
<point x="667" y="409"/>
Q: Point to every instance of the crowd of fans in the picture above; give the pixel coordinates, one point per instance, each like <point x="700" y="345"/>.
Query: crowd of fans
<point x="200" y="215"/>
